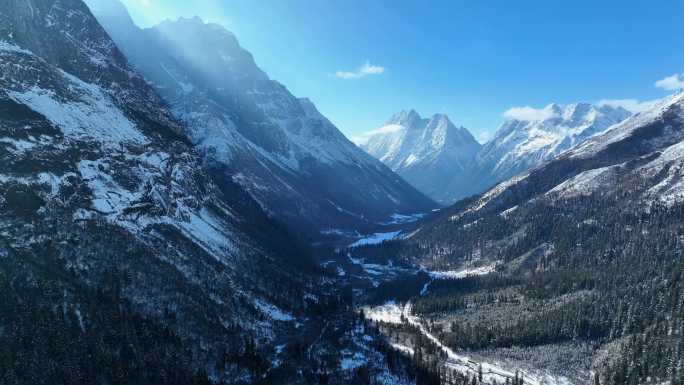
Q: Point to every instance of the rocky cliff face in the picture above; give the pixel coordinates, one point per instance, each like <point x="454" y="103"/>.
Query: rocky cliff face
<point x="520" y="145"/>
<point x="278" y="147"/>
<point x="633" y="167"/>
<point x="102" y="194"/>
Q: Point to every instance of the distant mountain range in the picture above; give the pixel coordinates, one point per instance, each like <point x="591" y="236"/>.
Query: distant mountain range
<point x="641" y="158"/>
<point x="289" y="157"/>
<point x="589" y="243"/>
<point x="520" y="145"/>
<point x="447" y="163"/>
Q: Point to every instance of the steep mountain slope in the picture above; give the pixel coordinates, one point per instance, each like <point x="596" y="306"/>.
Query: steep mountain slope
<point x="582" y="258"/>
<point x="632" y="149"/>
<point x="278" y="147"/>
<point x="120" y="258"/>
<point x="432" y="154"/>
<point x="520" y="145"/>
<point x="640" y="157"/>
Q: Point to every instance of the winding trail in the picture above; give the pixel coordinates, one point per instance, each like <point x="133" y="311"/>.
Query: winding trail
<point x="456" y="362"/>
<point x="466" y="365"/>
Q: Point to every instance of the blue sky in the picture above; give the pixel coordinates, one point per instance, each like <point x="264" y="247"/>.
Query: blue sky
<point x="362" y="60"/>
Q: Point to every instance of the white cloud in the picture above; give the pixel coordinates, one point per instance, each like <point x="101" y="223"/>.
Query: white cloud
<point x="671" y="83"/>
<point x="631" y="105"/>
<point x="362" y="138"/>
<point x="364" y="70"/>
<point x="484" y="136"/>
<point x="528" y="113"/>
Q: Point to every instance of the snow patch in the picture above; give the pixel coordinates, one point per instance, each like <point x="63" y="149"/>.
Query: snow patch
<point x="10" y="47"/>
<point x="466" y="365"/>
<point x="94" y="116"/>
<point x="376" y="239"/>
<point x="204" y="229"/>
<point x="623" y="130"/>
<point x="341" y="232"/>
<point x="585" y="183"/>
<point x="490" y="195"/>
<point x="273" y="312"/>
<point x="351" y="363"/>
<point x="402" y="348"/>
<point x="397" y="219"/>
<point x="390" y="312"/>
<point x="459" y="274"/>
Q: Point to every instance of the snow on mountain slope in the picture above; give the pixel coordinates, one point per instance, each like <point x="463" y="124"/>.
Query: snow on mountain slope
<point x="91" y="115"/>
<point x="670" y="189"/>
<point x="100" y="190"/>
<point x="644" y="151"/>
<point x="610" y="207"/>
<point x="280" y="148"/>
<point x="448" y="164"/>
<point x="432" y="154"/>
<point x="520" y="145"/>
<point x="625" y="130"/>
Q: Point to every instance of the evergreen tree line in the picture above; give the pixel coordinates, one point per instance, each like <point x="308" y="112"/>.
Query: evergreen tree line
<point x="622" y="266"/>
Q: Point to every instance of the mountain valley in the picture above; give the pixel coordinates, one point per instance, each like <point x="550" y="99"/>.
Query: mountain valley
<point x="575" y="266"/>
<point x="279" y="148"/>
<point x="171" y="215"/>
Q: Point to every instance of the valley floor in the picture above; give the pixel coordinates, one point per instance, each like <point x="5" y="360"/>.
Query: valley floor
<point x="392" y="311"/>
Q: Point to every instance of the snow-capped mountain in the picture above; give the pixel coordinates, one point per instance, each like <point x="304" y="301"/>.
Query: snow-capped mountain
<point x="115" y="240"/>
<point x="433" y="154"/>
<point x="640" y="161"/>
<point x="520" y="144"/>
<point x="280" y="148"/>
<point x="592" y="236"/>
<point x="447" y="163"/>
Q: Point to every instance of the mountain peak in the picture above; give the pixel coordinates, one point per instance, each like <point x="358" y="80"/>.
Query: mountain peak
<point x="193" y="21"/>
<point x="607" y="108"/>
<point x="441" y="123"/>
<point x="252" y="128"/>
<point x="554" y="109"/>
<point x="408" y="119"/>
<point x="576" y="112"/>
<point x="442" y="118"/>
<point x="198" y="24"/>
<point x="195" y="25"/>
<point x="432" y="154"/>
<point x="522" y="144"/>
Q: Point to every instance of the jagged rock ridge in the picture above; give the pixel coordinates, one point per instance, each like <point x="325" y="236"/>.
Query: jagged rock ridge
<point x="448" y="164"/>
<point x="278" y="147"/>
<point x="433" y="154"/>
<point x="106" y="208"/>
